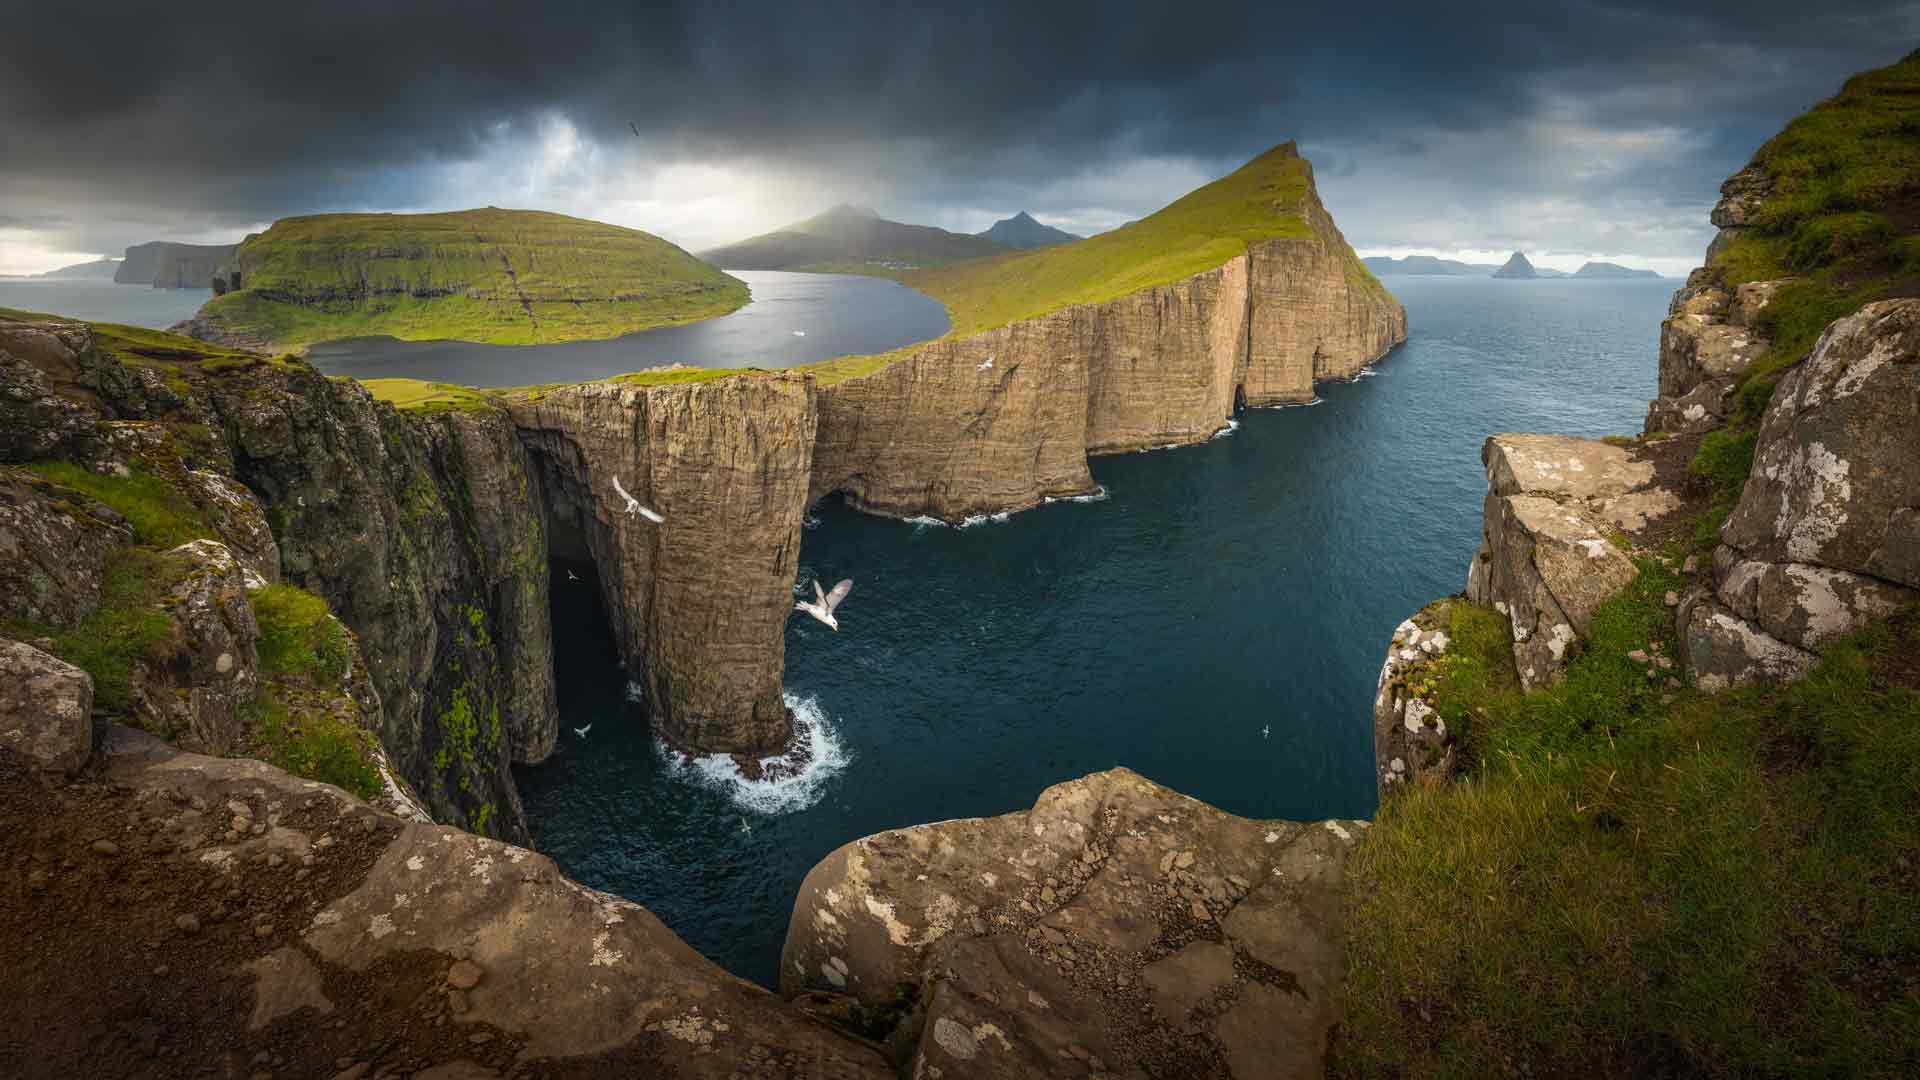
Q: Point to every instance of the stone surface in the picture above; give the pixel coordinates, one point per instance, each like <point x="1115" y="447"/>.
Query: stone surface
<point x="1836" y="480"/>
<point x="195" y="693"/>
<point x="1410" y="740"/>
<point x="1721" y="649"/>
<point x="1711" y="336"/>
<point x="998" y="947"/>
<point x="239" y="519"/>
<point x="54" y="544"/>
<point x="942" y="433"/>
<point x="1548" y="558"/>
<point x="46" y="708"/>
<point x="699" y="603"/>
<point x="284" y="982"/>
<point x="34" y="420"/>
<point x="1807" y="606"/>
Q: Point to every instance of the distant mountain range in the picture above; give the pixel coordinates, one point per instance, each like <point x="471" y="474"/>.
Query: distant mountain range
<point x="1022" y="231"/>
<point x="97" y="270"/>
<point x="1430" y="266"/>
<point x="852" y="239"/>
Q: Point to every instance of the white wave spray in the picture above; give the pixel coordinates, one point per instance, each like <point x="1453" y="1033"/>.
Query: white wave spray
<point x="792" y="780"/>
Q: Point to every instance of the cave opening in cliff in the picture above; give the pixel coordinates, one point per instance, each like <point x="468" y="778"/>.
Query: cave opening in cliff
<point x="584" y="649"/>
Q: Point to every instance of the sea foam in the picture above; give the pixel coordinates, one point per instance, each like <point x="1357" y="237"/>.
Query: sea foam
<point x="792" y="780"/>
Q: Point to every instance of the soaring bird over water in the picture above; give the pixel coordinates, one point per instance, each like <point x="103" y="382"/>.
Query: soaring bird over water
<point x="633" y="504"/>
<point x="822" y="609"/>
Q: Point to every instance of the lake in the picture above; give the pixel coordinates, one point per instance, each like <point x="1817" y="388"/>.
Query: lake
<point x="793" y="319"/>
<point x="1217" y="623"/>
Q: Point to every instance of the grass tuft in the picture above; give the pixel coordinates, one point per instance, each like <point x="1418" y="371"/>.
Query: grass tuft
<point x="160" y="514"/>
<point x="299" y="636"/>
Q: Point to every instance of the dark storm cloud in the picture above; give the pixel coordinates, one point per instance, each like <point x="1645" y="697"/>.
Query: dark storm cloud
<point x="126" y="116"/>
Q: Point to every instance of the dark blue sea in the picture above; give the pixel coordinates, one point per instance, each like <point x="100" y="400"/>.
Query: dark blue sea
<point x="1216" y="623"/>
<point x="104" y="301"/>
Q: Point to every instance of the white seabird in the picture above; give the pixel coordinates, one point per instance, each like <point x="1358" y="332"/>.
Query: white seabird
<point x="582" y="731"/>
<point x="571" y="576"/>
<point x="822" y="609"/>
<point x="797" y="333"/>
<point x="634" y="507"/>
<point x="985" y="364"/>
<point x="1266" y="731"/>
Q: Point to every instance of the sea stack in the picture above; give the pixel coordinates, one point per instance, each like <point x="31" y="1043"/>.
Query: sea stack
<point x="1517" y="267"/>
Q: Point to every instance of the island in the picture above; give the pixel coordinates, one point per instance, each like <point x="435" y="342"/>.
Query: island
<point x="1517" y="268"/>
<point x="507" y="277"/>
<point x="1607" y="270"/>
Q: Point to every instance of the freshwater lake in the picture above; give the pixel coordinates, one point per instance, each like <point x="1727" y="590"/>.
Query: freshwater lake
<point x="1215" y="623"/>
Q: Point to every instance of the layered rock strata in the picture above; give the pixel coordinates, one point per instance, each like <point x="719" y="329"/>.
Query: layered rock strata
<point x="1548" y="554"/>
<point x="1003" y="419"/>
<point x="1116" y="928"/>
<point x="699" y="601"/>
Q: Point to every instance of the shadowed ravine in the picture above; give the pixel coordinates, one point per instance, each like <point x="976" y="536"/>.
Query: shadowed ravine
<point x="1246" y="583"/>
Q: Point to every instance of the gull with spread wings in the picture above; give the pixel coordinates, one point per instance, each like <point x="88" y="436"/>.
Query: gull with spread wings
<point x="822" y="608"/>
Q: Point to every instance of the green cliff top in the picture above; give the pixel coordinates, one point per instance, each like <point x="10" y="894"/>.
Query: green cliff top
<point x="497" y="276"/>
<point x="1261" y="200"/>
<point x="1840" y="202"/>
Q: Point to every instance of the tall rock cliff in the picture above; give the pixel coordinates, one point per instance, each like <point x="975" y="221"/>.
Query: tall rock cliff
<point x="1002" y="419"/>
<point x="164" y="264"/>
<point x="698" y="602"/>
<point x="424" y="534"/>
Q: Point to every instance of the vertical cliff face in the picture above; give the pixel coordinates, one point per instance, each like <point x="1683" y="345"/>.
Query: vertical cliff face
<point x="1000" y="420"/>
<point x="698" y="602"/>
<point x="167" y="265"/>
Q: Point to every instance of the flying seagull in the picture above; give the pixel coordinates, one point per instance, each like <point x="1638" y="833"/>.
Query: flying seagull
<point x="985" y="364"/>
<point x="635" y="127"/>
<point x="823" y="609"/>
<point x="1266" y="731"/>
<point x="799" y="333"/>
<point x="582" y="731"/>
<point x="633" y="504"/>
<point x="571" y="576"/>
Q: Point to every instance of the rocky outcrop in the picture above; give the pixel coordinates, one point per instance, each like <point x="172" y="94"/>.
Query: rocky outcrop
<point x="46" y="708"/>
<point x="1825" y="537"/>
<point x="54" y="544"/>
<point x="1710" y="337"/>
<point x="165" y="264"/>
<point x="1548" y="557"/>
<point x="426" y="535"/>
<point x="698" y="602"/>
<point x="1116" y="928"/>
<point x="1001" y="420"/>
<point x="193" y="691"/>
<point x="1411" y="743"/>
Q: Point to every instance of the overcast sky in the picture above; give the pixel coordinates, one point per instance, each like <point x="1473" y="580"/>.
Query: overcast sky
<point x="1589" y="129"/>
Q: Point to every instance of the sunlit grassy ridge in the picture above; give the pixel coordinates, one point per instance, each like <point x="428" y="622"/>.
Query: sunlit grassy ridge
<point x="1206" y="227"/>
<point x="1841" y="216"/>
<point x="499" y="276"/>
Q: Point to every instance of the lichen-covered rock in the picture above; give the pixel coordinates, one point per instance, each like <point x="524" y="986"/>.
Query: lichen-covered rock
<point x="1836" y="478"/>
<point x="1410" y="740"/>
<point x="1555" y="505"/>
<point x="236" y="515"/>
<point x="46" y="708"/>
<point x="699" y="602"/>
<point x="1085" y="935"/>
<point x="35" y="421"/>
<point x="1807" y="606"/>
<point x="194" y="694"/>
<point x="1721" y="649"/>
<point x="572" y="971"/>
<point x="54" y="544"/>
<point x="1711" y="336"/>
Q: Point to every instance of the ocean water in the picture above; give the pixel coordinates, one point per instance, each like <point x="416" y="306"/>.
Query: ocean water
<point x="104" y="301"/>
<point x="1216" y="622"/>
<point x="792" y="319"/>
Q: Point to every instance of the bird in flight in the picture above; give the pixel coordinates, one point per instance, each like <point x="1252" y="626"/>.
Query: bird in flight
<point x="571" y="576"/>
<point x="582" y="731"/>
<point x="635" y="127"/>
<point x="985" y="364"/>
<point x="822" y="608"/>
<point x="634" y="507"/>
<point x="1266" y="730"/>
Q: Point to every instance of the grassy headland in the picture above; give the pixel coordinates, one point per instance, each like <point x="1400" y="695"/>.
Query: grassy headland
<point x="498" y="276"/>
<point x="1206" y="227"/>
<point x="1839" y="216"/>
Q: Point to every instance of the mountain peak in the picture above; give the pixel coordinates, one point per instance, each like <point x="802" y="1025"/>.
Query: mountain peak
<point x="1023" y="231"/>
<point x="1516" y="267"/>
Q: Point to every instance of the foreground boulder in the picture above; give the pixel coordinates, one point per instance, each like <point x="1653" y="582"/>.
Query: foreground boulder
<point x="1826" y="535"/>
<point x="46" y="708"/>
<point x="1548" y="554"/>
<point x="1116" y="928"/>
<point x="1410" y="740"/>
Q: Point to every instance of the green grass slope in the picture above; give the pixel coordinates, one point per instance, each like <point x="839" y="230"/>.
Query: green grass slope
<point x="1841" y="216"/>
<point x="850" y="240"/>
<point x="1261" y="200"/>
<point x="500" y="276"/>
